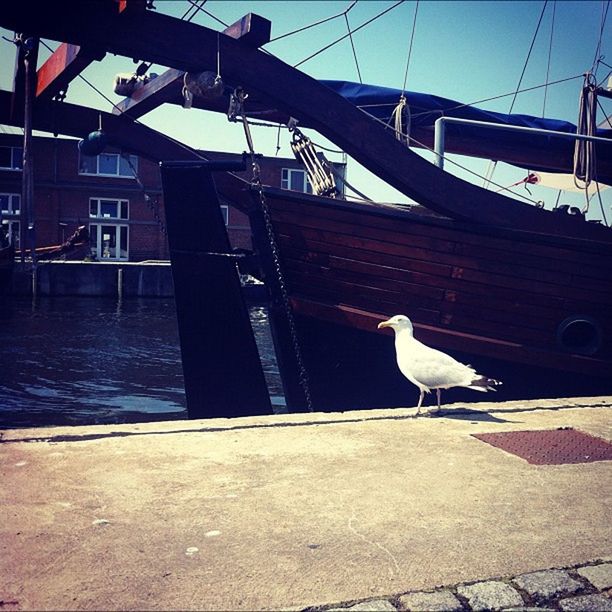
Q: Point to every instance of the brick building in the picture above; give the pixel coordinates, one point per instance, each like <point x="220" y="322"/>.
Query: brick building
<point x="124" y="214"/>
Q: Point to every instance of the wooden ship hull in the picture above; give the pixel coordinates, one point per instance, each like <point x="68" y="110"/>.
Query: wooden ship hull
<point x="530" y="309"/>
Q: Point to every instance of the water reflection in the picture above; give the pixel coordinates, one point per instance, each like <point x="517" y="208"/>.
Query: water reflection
<point x="92" y="360"/>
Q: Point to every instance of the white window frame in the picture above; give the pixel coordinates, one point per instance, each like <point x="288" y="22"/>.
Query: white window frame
<point x="11" y="209"/>
<point x="16" y="153"/>
<point x="10" y="223"/>
<point x="117" y="174"/>
<point x="286" y="178"/>
<point x="98" y="250"/>
<point x="225" y="213"/>
<point x="119" y="202"/>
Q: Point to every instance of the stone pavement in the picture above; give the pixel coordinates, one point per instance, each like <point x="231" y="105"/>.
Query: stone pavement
<point x="374" y="509"/>
<point x="575" y="589"/>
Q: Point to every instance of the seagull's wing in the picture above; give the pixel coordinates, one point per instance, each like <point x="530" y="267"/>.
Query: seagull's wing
<point x="432" y="368"/>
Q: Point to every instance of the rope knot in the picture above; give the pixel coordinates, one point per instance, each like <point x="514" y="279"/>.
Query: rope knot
<point x="399" y="111"/>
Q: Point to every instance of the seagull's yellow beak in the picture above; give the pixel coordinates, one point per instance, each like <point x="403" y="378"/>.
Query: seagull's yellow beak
<point x="383" y="324"/>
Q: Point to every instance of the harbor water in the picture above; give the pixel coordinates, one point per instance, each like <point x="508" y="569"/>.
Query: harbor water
<point x="95" y="360"/>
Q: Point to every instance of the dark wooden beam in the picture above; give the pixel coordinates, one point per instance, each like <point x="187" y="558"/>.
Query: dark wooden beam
<point x="251" y="30"/>
<point x="221" y="366"/>
<point x="164" y="88"/>
<point x="131" y="5"/>
<point x="153" y="37"/>
<point x="78" y="121"/>
<point x="64" y="65"/>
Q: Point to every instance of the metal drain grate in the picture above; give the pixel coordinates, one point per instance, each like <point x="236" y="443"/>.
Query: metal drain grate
<point x="551" y="447"/>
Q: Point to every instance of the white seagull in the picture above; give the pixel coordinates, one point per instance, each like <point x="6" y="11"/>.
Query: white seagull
<point x="428" y="368"/>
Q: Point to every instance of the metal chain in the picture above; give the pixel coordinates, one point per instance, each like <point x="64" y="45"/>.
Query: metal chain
<point x="256" y="182"/>
<point x="152" y="203"/>
<point x="303" y="375"/>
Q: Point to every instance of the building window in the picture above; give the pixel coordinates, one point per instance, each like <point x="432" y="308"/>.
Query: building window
<point x="225" y="213"/>
<point x="10" y="203"/>
<point x="110" y="242"/>
<point x="11" y="158"/>
<point x="103" y="208"/>
<point x="11" y="231"/>
<point x="294" y="179"/>
<point x="109" y="164"/>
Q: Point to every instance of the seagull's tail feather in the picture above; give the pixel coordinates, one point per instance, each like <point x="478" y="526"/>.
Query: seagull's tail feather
<point x="484" y="383"/>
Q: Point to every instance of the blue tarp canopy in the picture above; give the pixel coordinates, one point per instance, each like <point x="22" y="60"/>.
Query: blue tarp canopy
<point x="426" y="108"/>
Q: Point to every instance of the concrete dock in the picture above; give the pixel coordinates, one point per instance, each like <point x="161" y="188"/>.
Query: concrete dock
<point x="365" y="510"/>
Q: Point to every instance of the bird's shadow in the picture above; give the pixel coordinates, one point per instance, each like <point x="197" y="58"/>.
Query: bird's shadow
<point x="467" y="414"/>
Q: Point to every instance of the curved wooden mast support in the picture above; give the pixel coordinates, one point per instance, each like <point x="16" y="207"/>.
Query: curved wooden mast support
<point x="78" y="121"/>
<point x="157" y="38"/>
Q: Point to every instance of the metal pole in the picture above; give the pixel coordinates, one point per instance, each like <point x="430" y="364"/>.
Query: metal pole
<point x="27" y="195"/>
<point x="440" y="124"/>
<point x="120" y="283"/>
<point x="439" y="133"/>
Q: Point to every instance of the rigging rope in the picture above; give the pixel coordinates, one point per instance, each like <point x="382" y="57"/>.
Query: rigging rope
<point x="199" y="8"/>
<point x="493" y="164"/>
<point x="416" y="10"/>
<point x="603" y="110"/>
<point x="533" y="40"/>
<point x="601" y="205"/>
<point x="584" y="151"/>
<point x="475" y="102"/>
<point x="531" y="178"/>
<point x="455" y="163"/>
<point x="316" y="23"/>
<point x="348" y="27"/>
<point x="194" y="9"/>
<point x="597" y="58"/>
<point x="402" y="107"/>
<point x="363" y="25"/>
<point x="343" y="180"/>
<point x="550" y="42"/>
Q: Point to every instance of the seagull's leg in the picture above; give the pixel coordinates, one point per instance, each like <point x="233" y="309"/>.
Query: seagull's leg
<point x="420" y="402"/>
<point x="438" y="393"/>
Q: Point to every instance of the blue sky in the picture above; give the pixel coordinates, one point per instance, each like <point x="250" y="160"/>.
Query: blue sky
<point x="466" y="51"/>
